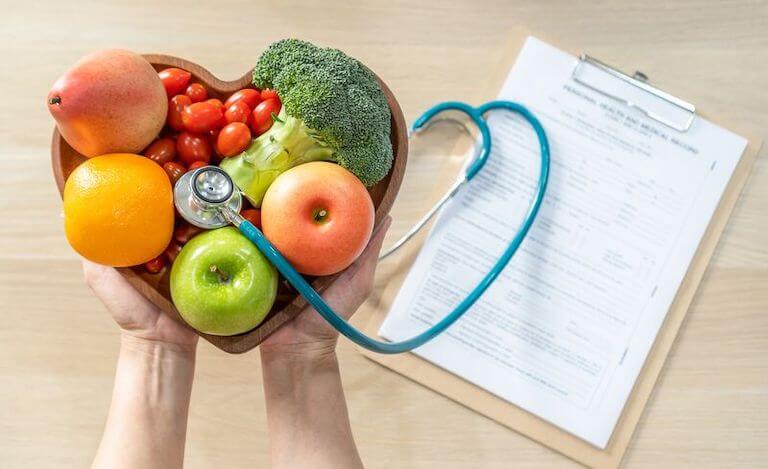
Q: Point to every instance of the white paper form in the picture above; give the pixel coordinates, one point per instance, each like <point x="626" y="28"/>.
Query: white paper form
<point x="564" y="331"/>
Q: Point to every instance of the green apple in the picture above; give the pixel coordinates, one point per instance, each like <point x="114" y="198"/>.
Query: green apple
<point x="222" y="284"/>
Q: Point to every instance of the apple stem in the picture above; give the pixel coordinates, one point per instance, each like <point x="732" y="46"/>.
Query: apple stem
<point x="222" y="275"/>
<point x="320" y="215"/>
<point x="55" y="100"/>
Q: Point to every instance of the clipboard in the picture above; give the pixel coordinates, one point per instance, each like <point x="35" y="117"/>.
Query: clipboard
<point x="503" y="412"/>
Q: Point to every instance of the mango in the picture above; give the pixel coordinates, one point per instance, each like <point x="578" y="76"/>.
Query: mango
<point x="110" y="101"/>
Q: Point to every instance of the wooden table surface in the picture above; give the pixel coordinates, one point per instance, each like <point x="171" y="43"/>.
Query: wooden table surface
<point x="58" y="345"/>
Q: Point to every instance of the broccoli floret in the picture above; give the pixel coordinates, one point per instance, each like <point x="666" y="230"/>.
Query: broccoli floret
<point x="333" y="110"/>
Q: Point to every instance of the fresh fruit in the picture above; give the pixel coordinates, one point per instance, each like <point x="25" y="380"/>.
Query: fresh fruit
<point x="174" y="80"/>
<point x="175" y="110"/>
<point x="110" y="101"/>
<point x="319" y="216"/>
<point x="222" y="121"/>
<point x="201" y="117"/>
<point x="233" y="139"/>
<point x="172" y="251"/>
<point x="174" y="171"/>
<point x="249" y="95"/>
<point x="264" y="115"/>
<point x="186" y="231"/>
<point x="217" y="103"/>
<point x="118" y="209"/>
<point x="196" y="164"/>
<point x="161" y="151"/>
<point x="222" y="284"/>
<point x="196" y="92"/>
<point x="156" y="265"/>
<point x="193" y="147"/>
<point x="269" y="94"/>
<point x="252" y="215"/>
<point x="238" y="112"/>
<point x="213" y="135"/>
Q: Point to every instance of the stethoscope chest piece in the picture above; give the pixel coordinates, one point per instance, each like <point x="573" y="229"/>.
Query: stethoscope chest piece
<point x="200" y="196"/>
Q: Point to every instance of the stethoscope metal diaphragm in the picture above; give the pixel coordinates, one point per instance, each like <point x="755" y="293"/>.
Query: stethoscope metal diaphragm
<point x="200" y="196"/>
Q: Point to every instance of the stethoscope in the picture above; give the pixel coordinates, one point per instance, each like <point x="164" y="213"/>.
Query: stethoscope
<point x="207" y="198"/>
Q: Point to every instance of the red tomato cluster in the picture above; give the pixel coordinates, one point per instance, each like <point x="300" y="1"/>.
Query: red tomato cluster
<point x="201" y="130"/>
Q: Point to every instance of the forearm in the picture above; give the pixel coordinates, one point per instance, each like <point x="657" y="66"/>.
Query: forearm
<point x="307" y="413"/>
<point x="147" y="421"/>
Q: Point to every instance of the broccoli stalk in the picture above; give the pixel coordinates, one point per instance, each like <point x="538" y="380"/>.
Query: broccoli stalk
<point x="288" y="143"/>
<point x="333" y="110"/>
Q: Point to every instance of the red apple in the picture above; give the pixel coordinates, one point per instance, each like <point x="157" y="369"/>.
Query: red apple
<point x="319" y="216"/>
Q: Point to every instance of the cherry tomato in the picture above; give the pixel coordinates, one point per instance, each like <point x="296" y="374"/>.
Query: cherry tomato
<point x="233" y="139"/>
<point x="161" y="151"/>
<point x="197" y="92"/>
<point x="174" y="171"/>
<point x="185" y="232"/>
<point x="216" y="102"/>
<point x="156" y="265"/>
<point x="172" y="251"/>
<point x="249" y="95"/>
<point x="175" y="109"/>
<point x="261" y="118"/>
<point x="174" y="80"/>
<point x="223" y="121"/>
<point x="238" y="112"/>
<point x="252" y="215"/>
<point x="197" y="164"/>
<point x="213" y="135"/>
<point x="193" y="147"/>
<point x="268" y="93"/>
<point x="201" y="117"/>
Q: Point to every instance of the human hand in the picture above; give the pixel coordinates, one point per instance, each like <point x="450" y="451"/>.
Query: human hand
<point x="137" y="317"/>
<point x="153" y="381"/>
<point x="308" y="335"/>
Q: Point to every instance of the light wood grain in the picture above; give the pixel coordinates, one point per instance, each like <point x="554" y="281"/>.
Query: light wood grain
<point x="58" y="346"/>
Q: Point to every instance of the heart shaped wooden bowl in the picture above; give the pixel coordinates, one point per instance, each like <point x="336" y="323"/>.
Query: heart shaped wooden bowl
<point x="156" y="287"/>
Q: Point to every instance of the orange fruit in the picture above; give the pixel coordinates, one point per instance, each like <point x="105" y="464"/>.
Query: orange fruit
<point x="118" y="209"/>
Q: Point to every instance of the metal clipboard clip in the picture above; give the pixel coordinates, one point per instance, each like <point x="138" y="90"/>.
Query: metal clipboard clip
<point x="633" y="92"/>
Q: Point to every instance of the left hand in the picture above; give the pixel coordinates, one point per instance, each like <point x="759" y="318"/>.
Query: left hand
<point x="137" y="317"/>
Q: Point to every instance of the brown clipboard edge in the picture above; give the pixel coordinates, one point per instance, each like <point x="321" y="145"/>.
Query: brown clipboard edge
<point x="515" y="418"/>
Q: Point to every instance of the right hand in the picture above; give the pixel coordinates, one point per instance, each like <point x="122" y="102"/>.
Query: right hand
<point x="308" y="335"/>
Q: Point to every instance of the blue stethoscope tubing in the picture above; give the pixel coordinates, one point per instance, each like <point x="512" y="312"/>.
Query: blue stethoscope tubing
<point x="477" y="115"/>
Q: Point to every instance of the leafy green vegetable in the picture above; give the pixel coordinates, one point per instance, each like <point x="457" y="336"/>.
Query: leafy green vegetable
<point x="333" y="110"/>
